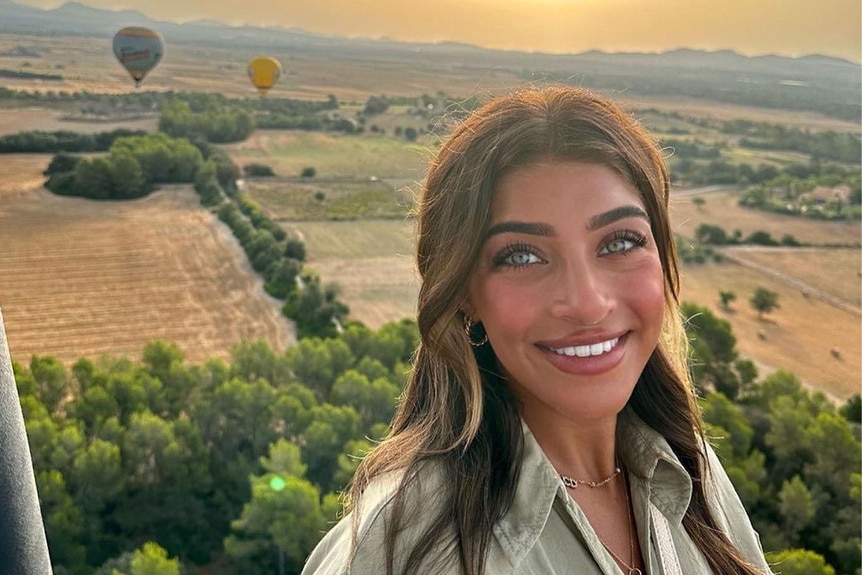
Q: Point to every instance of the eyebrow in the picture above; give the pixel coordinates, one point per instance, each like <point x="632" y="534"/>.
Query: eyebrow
<point x="529" y="228"/>
<point x="596" y="222"/>
<point x="611" y="216"/>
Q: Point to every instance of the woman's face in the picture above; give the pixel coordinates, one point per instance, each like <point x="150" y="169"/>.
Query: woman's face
<point x="569" y="287"/>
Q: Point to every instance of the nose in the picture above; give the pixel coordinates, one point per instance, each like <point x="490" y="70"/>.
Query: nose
<point x="583" y="293"/>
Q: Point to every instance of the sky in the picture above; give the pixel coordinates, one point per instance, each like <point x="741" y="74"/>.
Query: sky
<point x="751" y="27"/>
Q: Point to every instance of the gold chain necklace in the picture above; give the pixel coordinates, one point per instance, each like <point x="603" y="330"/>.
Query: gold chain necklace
<point x="573" y="483"/>
<point x="631" y="570"/>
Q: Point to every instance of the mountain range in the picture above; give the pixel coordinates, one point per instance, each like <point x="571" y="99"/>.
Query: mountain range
<point x="825" y="84"/>
<point x="74" y="18"/>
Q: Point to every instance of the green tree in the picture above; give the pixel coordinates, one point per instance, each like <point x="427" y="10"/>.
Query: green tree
<point x="796" y="505"/>
<point x="284" y="514"/>
<point x="713" y="348"/>
<point x="764" y="301"/>
<point x="52" y="381"/>
<point x="151" y="559"/>
<point x="127" y="177"/>
<point x="800" y="562"/>
<point x="94" y="178"/>
<point x="852" y="409"/>
<point x="726" y="296"/>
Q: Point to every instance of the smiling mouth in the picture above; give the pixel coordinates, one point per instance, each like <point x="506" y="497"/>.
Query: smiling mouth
<point x="587" y="350"/>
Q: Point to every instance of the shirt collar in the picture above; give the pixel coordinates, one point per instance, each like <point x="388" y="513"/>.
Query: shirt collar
<point x="648" y="455"/>
<point x="644" y="452"/>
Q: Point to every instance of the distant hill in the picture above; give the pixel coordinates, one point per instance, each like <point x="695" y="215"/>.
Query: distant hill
<point x="815" y="82"/>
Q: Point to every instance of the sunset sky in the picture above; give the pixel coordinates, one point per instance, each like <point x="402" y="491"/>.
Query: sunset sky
<point x="752" y="27"/>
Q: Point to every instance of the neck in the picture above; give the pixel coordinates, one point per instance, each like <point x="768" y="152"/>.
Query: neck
<point x="584" y="450"/>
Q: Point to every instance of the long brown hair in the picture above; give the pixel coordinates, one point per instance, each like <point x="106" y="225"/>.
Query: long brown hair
<point x="455" y="410"/>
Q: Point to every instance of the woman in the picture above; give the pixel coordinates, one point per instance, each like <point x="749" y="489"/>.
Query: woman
<point x="549" y="425"/>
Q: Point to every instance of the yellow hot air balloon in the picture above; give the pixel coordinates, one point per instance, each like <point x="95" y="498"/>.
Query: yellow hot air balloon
<point x="264" y="72"/>
<point x="139" y="50"/>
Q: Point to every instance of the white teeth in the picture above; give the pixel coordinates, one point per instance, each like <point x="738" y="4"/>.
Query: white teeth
<point x="587" y="350"/>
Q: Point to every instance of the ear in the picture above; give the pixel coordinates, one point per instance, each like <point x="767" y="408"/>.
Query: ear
<point x="468" y="309"/>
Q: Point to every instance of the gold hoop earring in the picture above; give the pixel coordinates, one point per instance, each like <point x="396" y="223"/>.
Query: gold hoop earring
<point x="468" y="329"/>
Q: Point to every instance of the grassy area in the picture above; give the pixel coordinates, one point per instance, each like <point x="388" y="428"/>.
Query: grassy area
<point x="328" y="200"/>
<point x="333" y="155"/>
<point x="356" y="240"/>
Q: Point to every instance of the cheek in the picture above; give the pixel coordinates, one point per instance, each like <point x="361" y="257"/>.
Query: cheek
<point x="646" y="294"/>
<point x="502" y="307"/>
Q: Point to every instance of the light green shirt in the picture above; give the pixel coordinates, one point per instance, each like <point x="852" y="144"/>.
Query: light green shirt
<point x="537" y="537"/>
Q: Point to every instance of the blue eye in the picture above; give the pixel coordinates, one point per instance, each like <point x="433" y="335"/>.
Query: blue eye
<point x="517" y="256"/>
<point x="521" y="259"/>
<point x="623" y="242"/>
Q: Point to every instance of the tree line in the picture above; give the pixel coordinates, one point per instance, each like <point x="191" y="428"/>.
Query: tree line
<point x="237" y="467"/>
<point x="42" y="142"/>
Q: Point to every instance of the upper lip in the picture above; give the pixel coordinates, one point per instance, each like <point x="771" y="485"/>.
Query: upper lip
<point x="580" y="339"/>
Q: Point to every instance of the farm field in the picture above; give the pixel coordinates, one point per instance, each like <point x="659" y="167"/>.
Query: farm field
<point x="371" y="259"/>
<point x="721" y="209"/>
<point x="81" y="278"/>
<point x="332" y="155"/>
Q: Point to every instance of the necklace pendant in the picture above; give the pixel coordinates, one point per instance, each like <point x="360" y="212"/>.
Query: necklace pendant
<point x="635" y="571"/>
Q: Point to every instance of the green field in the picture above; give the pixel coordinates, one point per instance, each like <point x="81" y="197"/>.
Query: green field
<point x="333" y="155"/>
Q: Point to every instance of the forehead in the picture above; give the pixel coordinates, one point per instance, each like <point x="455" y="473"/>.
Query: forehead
<point x="558" y="189"/>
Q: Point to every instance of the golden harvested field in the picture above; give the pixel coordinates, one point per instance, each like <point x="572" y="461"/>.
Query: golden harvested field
<point x="80" y="278"/>
<point x="836" y="271"/>
<point x="721" y="210"/>
<point x="21" y="173"/>
<point x="372" y="262"/>
<point x="798" y="336"/>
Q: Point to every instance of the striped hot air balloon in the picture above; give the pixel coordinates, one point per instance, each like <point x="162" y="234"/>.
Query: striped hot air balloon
<point x="139" y="50"/>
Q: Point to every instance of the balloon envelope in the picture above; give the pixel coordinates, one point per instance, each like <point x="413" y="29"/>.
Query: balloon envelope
<point x="264" y="72"/>
<point x="139" y="50"/>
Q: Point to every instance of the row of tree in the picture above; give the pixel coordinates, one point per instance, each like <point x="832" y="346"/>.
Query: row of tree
<point x="315" y="308"/>
<point x="216" y="124"/>
<point x="40" y="142"/>
<point x="155" y="101"/>
<point x="827" y="145"/>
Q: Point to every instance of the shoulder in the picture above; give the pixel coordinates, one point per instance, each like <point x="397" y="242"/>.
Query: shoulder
<point x="356" y="545"/>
